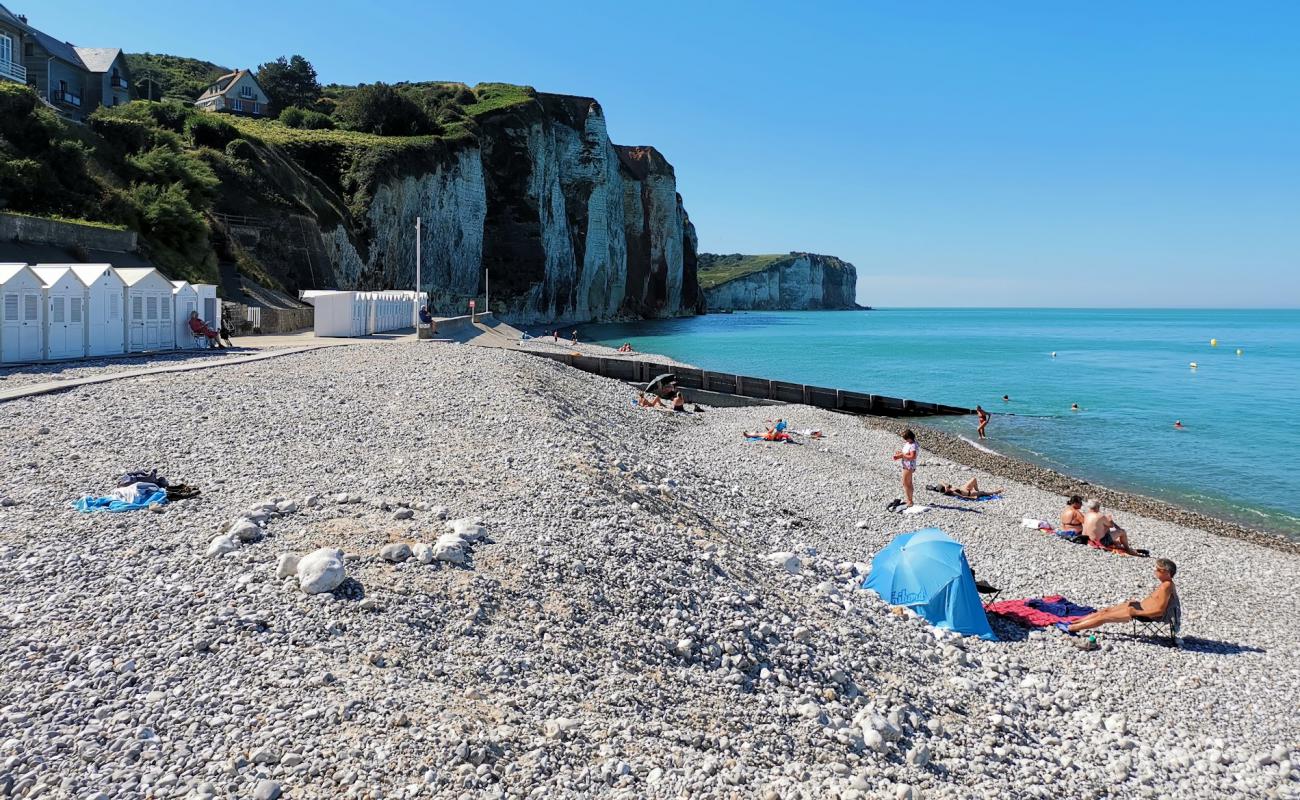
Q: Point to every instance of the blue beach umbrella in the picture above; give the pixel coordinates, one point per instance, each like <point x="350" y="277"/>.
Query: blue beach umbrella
<point x="926" y="571"/>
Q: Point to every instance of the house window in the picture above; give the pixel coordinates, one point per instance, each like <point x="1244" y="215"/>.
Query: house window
<point x="29" y="50"/>
<point x="6" y="48"/>
<point x="246" y="91"/>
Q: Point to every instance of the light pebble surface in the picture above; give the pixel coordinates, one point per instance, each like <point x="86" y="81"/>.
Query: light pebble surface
<point x="620" y="630"/>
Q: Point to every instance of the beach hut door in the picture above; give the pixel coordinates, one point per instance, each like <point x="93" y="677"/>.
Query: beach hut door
<point x="21" y="315"/>
<point x="105" y="321"/>
<point x="137" y="321"/>
<point x="66" y="326"/>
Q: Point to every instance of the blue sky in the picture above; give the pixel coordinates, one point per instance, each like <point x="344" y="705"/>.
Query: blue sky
<point x="959" y="153"/>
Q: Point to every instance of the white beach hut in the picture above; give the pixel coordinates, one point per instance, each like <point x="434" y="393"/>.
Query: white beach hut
<point x="185" y="299"/>
<point x="209" y="304"/>
<point x="65" y="311"/>
<point x="148" y="304"/>
<point x="22" y="318"/>
<point x="105" y="322"/>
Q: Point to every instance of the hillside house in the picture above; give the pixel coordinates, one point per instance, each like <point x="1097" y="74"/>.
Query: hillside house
<point x="235" y="93"/>
<point x="75" y="80"/>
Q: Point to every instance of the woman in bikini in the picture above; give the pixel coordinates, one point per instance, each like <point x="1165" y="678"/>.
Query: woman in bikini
<point x="969" y="490"/>
<point x="1072" y="516"/>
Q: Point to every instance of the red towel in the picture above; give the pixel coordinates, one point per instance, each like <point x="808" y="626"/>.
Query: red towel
<point x="1019" y="611"/>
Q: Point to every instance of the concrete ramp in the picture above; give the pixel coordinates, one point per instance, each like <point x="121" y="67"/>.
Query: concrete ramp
<point x="484" y="331"/>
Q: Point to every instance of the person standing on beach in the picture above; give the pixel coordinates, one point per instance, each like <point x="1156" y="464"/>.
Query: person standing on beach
<point x="906" y="456"/>
<point x="984" y="420"/>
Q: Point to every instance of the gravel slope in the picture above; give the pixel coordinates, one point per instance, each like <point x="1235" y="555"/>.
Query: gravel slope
<point x="623" y="632"/>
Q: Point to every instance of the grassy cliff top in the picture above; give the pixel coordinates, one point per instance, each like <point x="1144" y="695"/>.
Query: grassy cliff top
<point x="715" y="270"/>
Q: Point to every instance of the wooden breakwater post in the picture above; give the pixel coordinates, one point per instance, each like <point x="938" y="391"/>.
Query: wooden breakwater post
<point x="745" y="386"/>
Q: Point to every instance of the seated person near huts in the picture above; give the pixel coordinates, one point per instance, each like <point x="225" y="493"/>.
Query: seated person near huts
<point x="1153" y="606"/>
<point x="969" y="490"/>
<point x="425" y="317"/>
<point x="200" y="328"/>
<point x="648" y="401"/>
<point x="679" y="402"/>
<point x="1102" y="531"/>
<point x="1072" y="515"/>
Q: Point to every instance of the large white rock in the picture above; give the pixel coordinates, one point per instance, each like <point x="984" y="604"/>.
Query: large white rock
<point x="225" y="543"/>
<point x="321" y="570"/>
<point x="245" y="530"/>
<point x="423" y="553"/>
<point x="471" y="530"/>
<point x="450" y="548"/>
<point x="788" y="560"/>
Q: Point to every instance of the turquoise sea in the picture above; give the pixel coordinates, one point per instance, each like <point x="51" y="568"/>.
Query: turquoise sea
<point x="1238" y="456"/>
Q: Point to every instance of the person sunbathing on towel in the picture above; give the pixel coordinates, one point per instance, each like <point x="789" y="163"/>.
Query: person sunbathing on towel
<point x="1072" y="516"/>
<point x="649" y="401"/>
<point x="775" y="433"/>
<point x="1153" y="606"/>
<point x="969" y="490"/>
<point x="1102" y="531"/>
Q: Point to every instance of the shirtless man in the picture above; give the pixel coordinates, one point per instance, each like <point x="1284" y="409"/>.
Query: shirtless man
<point x="1072" y="516"/>
<point x="1101" y="529"/>
<point x="1153" y="606"/>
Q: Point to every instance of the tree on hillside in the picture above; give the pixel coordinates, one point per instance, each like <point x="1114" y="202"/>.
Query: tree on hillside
<point x="289" y="82"/>
<point x="382" y="109"/>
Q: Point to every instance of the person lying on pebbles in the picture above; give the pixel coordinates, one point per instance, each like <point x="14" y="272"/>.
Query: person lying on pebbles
<point x="970" y="490"/>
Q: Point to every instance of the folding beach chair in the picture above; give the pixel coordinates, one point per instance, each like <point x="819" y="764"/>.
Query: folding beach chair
<point x="1166" y="626"/>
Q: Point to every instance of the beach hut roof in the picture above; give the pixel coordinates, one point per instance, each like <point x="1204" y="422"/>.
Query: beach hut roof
<point x="89" y="273"/>
<point x="51" y="274"/>
<point x="8" y="271"/>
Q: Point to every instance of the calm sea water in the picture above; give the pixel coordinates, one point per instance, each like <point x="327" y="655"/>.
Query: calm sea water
<point x="1238" y="456"/>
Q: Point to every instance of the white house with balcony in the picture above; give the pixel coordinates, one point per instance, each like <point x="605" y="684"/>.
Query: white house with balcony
<point x="13" y="35"/>
<point x="235" y="93"/>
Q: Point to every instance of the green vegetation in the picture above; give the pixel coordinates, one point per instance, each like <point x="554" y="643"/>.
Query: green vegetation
<point x="715" y="270"/>
<point x="179" y="77"/>
<point x="169" y="171"/>
<point x="289" y="83"/>
<point x="496" y="96"/>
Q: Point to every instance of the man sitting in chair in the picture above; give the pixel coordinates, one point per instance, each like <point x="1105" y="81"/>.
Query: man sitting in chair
<point x="200" y="328"/>
<point x="1152" y="607"/>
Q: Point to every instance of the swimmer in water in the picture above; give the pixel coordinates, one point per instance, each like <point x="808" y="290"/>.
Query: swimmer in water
<point x="1178" y="424"/>
<point x="1006" y="398"/>
<point x="1074" y="406"/>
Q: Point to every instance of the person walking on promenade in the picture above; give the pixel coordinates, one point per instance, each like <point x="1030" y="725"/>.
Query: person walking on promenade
<point x="906" y="456"/>
<point x="984" y="420"/>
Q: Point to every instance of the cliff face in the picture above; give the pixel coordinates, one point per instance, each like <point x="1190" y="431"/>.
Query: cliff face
<point x="798" y="281"/>
<point x="570" y="226"/>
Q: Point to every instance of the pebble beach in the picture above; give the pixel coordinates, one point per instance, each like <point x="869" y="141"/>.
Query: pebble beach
<point x="541" y="590"/>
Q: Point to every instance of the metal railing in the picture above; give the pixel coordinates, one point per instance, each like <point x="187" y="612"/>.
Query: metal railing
<point x="117" y="82"/>
<point x="66" y="98"/>
<point x="13" y="71"/>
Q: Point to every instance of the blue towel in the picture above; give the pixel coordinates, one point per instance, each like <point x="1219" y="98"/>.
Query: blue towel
<point x="977" y="499"/>
<point x="90" y="504"/>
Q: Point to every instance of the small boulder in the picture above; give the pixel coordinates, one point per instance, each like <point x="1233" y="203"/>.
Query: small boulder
<point x="471" y="530"/>
<point x="225" y="543"/>
<point x="440" y="512"/>
<point x="245" y="530"/>
<point x="450" y="548"/>
<point x="285" y="565"/>
<point x="395" y="552"/>
<point x="403" y="513"/>
<point x="789" y="561"/>
<point x="321" y="570"/>
<point x="267" y="789"/>
<point x="423" y="553"/>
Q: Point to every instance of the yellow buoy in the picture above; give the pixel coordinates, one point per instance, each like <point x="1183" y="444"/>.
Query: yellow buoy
<point x="1214" y="343"/>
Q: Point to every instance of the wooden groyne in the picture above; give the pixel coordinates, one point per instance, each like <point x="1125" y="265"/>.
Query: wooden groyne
<point x="635" y="371"/>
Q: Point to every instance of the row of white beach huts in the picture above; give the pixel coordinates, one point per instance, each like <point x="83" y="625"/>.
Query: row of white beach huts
<point x="51" y="312"/>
